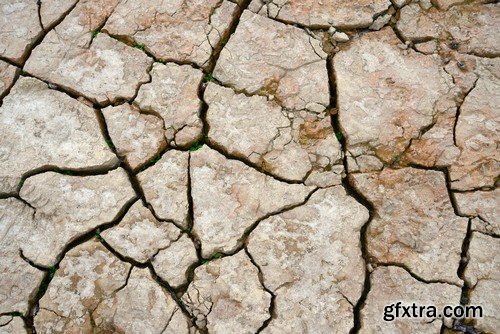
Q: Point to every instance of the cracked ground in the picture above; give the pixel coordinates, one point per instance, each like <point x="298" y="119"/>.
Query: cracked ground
<point x="237" y="166"/>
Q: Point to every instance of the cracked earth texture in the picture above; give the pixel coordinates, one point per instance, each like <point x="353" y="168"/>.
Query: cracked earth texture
<point x="248" y="166"/>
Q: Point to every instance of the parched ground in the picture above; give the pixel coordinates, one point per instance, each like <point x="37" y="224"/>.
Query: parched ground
<point x="236" y="166"/>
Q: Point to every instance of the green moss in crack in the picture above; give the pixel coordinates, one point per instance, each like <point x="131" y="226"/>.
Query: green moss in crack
<point x="64" y="172"/>
<point x="209" y="77"/>
<point x="339" y="136"/>
<point x="13" y="314"/>
<point x="464" y="300"/>
<point x="395" y="160"/>
<point x="95" y="33"/>
<point x="52" y="271"/>
<point x="45" y="283"/>
<point x="214" y="257"/>
<point x="212" y="12"/>
<point x="196" y="146"/>
<point x="98" y="235"/>
<point x="139" y="46"/>
<point x="110" y="144"/>
<point x="156" y="159"/>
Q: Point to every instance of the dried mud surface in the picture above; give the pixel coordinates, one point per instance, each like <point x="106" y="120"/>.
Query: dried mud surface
<point x="238" y="166"/>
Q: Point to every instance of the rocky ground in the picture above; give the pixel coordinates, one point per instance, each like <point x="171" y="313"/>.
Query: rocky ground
<point x="236" y="166"/>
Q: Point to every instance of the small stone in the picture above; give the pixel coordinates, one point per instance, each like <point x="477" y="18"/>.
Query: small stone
<point x="340" y="37"/>
<point x="380" y="22"/>
<point x="138" y="137"/>
<point x="425" y="4"/>
<point x="184" y="31"/>
<point x="173" y="262"/>
<point x="415" y="224"/>
<point x="165" y="185"/>
<point x="332" y="30"/>
<point x="400" y="3"/>
<point x="269" y="139"/>
<point x="139" y="235"/>
<point x="42" y="127"/>
<point x="270" y="58"/>
<point x="172" y="94"/>
<point x="229" y="197"/>
<point x="391" y="285"/>
<point x="67" y="207"/>
<point x="102" y="69"/>
<point x="428" y="48"/>
<point x="226" y="296"/>
<point x="482" y="274"/>
<point x="310" y="258"/>
<point x="483" y="204"/>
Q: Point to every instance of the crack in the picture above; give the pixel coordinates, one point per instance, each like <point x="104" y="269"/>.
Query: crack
<point x="31" y="263"/>
<point x="8" y="322"/>
<point x="459" y="110"/>
<point x="39" y="5"/>
<point x="168" y="321"/>
<point x="241" y="158"/>
<point x="44" y="32"/>
<point x="164" y="284"/>
<point x="100" y="27"/>
<point x="352" y="191"/>
<point x="464" y="260"/>
<point x="130" y="173"/>
<point x="465" y="325"/>
<point x="214" y="57"/>
<point x="73" y="93"/>
<point x="412" y="274"/>
<point x="492" y="235"/>
<point x="272" y="306"/>
<point x="241" y="243"/>
<point x="190" y="221"/>
<point x="131" y="41"/>
<point x="33" y="305"/>
<point x="174" y="293"/>
<point x="243" y="240"/>
<point x="62" y="89"/>
<point x="77" y="172"/>
<point x="8" y="88"/>
<point x="363" y="235"/>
